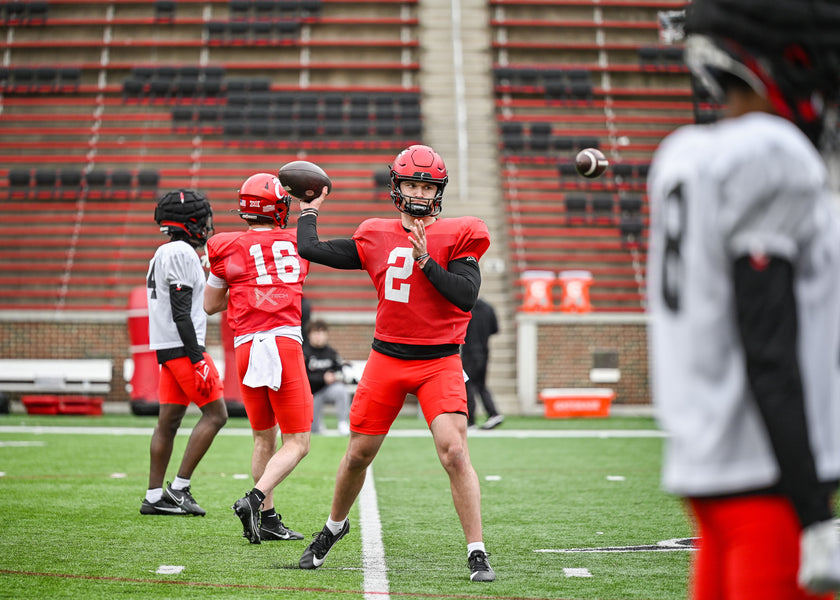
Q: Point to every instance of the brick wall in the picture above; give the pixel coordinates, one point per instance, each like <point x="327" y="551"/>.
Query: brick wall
<point x="94" y="339"/>
<point x="564" y="355"/>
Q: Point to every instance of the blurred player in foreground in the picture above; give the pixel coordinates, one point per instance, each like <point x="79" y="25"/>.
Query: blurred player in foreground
<point x="177" y="328"/>
<point x="258" y="277"/>
<point x="744" y="292"/>
<point x="426" y="274"/>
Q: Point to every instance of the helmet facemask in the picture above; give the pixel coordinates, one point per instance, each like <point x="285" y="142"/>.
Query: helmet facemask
<point x="416" y="206"/>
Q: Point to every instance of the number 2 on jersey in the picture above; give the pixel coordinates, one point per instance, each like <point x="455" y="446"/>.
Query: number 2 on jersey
<point x="285" y="262"/>
<point x="396" y="289"/>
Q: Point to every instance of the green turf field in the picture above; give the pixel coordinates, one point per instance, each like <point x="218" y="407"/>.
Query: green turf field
<point x="70" y="525"/>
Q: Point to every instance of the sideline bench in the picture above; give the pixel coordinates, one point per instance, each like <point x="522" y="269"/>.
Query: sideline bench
<point x="58" y="387"/>
<point x="59" y="375"/>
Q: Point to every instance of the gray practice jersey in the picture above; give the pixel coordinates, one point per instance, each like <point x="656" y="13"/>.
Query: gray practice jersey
<point x="752" y="186"/>
<point x="174" y="263"/>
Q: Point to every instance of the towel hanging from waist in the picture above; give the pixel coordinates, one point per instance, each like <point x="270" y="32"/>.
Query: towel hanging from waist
<point x="264" y="366"/>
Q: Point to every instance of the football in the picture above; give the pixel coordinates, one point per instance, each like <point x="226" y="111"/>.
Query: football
<point x="303" y="180"/>
<point x="591" y="163"/>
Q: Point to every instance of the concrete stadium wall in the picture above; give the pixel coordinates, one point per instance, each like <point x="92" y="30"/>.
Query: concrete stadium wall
<point x="560" y="355"/>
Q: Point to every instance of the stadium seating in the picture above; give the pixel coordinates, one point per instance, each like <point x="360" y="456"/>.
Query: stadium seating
<point x="570" y="74"/>
<point x="186" y="99"/>
<point x="201" y="94"/>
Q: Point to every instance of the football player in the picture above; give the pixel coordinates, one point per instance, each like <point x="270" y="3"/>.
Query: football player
<point x="744" y="294"/>
<point x="177" y="328"/>
<point x="258" y="277"/>
<point x="420" y="264"/>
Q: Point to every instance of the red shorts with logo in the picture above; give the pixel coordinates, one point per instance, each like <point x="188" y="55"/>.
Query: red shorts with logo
<point x="177" y="383"/>
<point x="290" y="407"/>
<point x="749" y="548"/>
<point x="438" y="384"/>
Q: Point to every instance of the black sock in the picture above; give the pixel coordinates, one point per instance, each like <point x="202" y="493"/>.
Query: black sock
<point x="258" y="494"/>
<point x="269" y="517"/>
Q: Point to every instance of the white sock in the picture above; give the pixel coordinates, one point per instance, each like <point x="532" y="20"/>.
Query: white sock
<point x="179" y="483"/>
<point x="154" y="494"/>
<point x="472" y="547"/>
<point x="335" y="526"/>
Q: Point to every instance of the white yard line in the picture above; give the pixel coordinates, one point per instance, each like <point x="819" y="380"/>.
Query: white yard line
<point x="373" y="552"/>
<point x="404" y="433"/>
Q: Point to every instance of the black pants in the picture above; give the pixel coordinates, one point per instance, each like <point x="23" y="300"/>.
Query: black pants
<point x="476" y="384"/>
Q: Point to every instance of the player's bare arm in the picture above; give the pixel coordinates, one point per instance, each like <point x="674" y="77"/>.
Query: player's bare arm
<point x="215" y="299"/>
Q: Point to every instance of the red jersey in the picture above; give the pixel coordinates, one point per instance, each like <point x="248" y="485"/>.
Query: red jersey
<point x="265" y="276"/>
<point x="410" y="309"/>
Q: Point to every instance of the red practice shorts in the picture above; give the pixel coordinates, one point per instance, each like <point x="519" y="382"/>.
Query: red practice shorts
<point x="177" y="383"/>
<point x="438" y="384"/>
<point x="290" y="407"/>
<point x="749" y="548"/>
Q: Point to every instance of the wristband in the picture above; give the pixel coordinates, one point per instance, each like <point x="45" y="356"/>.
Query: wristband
<point x="422" y="257"/>
<point x="309" y="211"/>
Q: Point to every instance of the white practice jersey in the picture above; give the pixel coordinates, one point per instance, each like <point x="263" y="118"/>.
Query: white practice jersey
<point x="742" y="187"/>
<point x="174" y="263"/>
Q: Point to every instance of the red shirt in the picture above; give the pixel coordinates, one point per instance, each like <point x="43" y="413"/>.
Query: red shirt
<point x="410" y="309"/>
<point x="265" y="276"/>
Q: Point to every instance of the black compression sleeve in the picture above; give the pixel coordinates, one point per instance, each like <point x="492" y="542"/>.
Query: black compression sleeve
<point x="338" y="254"/>
<point x="180" y="299"/>
<point x="459" y="283"/>
<point x="767" y="320"/>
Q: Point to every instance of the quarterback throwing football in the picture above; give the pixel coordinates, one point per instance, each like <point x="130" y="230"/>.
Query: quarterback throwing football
<point x="424" y="265"/>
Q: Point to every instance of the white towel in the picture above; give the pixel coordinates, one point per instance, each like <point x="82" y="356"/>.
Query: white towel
<point x="264" y="366"/>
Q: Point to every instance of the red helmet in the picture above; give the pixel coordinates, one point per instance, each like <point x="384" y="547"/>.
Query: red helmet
<point x="418" y="163"/>
<point x="261" y="197"/>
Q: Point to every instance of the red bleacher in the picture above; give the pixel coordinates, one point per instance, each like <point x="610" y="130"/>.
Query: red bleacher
<point x="563" y="76"/>
<point x="101" y="234"/>
<point x="566" y="76"/>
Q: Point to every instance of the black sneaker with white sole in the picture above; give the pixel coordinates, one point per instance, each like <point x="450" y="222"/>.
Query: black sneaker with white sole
<point x="164" y="506"/>
<point x="248" y="511"/>
<point x="278" y="532"/>
<point x="480" y="569"/>
<point x="184" y="499"/>
<point x="316" y="553"/>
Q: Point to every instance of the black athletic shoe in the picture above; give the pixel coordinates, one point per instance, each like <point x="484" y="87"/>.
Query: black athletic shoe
<point x="162" y="507"/>
<point x="480" y="569"/>
<point x="248" y="511"/>
<point x="315" y="554"/>
<point x="271" y="533"/>
<point x="184" y="499"/>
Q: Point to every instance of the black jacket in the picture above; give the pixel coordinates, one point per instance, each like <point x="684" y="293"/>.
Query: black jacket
<point x="318" y="362"/>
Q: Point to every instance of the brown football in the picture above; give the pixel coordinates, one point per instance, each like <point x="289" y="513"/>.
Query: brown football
<point x="303" y="180"/>
<point x="591" y="163"/>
